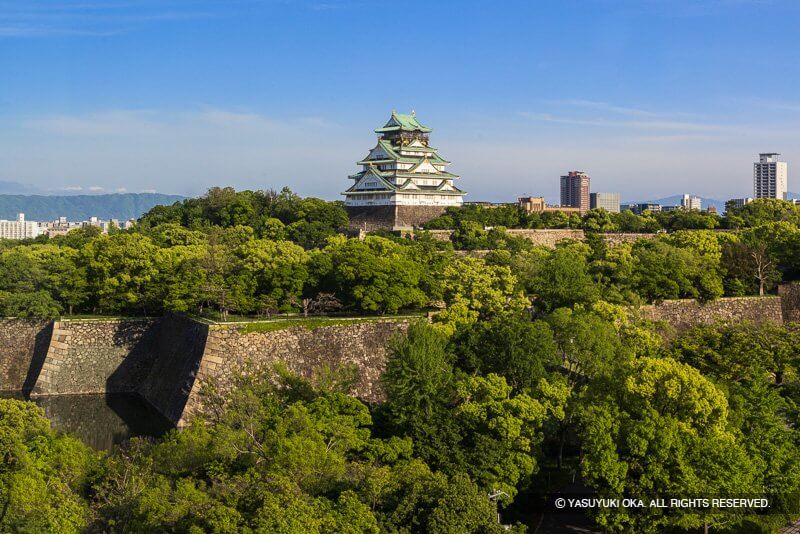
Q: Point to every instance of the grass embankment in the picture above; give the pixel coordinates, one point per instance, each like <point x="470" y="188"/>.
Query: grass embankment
<point x="312" y="323"/>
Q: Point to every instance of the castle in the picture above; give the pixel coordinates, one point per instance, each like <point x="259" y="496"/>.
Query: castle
<point x="403" y="182"/>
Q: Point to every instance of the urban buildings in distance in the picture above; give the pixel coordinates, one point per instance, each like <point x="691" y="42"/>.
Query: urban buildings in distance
<point x="576" y="197"/>
<point x="538" y="205"/>
<point x="23" y="229"/>
<point x="403" y="182"/>
<point x="19" y="229"/>
<point x="606" y="201"/>
<point x="575" y="190"/>
<point x="770" y="176"/>
<point x="690" y="202"/>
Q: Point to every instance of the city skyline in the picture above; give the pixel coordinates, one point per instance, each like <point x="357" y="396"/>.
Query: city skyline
<point x="653" y="100"/>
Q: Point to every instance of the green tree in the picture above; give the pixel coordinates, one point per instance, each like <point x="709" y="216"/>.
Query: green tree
<point x="119" y="269"/>
<point x="180" y="282"/>
<point x="662" y="271"/>
<point x="761" y="211"/>
<point x="472" y="289"/>
<point x="277" y="268"/>
<point x="38" y="304"/>
<point x="598" y="221"/>
<point x="374" y="275"/>
<point x="752" y="259"/>
<point x="562" y="278"/>
<point x="660" y="428"/>
<point x="513" y="346"/>
<point x="42" y="474"/>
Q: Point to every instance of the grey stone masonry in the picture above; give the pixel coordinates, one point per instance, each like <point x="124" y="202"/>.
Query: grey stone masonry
<point x="23" y="347"/>
<point x="229" y="350"/>
<point x="684" y="314"/>
<point x="96" y="356"/>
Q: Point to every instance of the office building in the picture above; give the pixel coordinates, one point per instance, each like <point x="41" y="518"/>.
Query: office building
<point x="640" y="208"/>
<point x="19" y="229"/>
<point x="736" y="203"/>
<point x="770" y="176"/>
<point x="575" y="190"/>
<point x="537" y="205"/>
<point x="689" y="202"/>
<point x="606" y="201"/>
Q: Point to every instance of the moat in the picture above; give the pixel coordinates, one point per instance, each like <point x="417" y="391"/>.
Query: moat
<point x="101" y="421"/>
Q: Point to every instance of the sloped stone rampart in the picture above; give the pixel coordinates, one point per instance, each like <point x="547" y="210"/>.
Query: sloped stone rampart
<point x="230" y="350"/>
<point x="97" y="356"/>
<point x="23" y="347"/>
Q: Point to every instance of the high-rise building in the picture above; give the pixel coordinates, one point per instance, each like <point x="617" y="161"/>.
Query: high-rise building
<point x="575" y="190"/>
<point x="689" y="202"/>
<point x="403" y="182"/>
<point x="606" y="201"/>
<point x="19" y="229"/>
<point x="770" y="176"/>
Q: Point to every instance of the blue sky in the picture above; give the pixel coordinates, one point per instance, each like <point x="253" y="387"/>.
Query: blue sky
<point x="650" y="97"/>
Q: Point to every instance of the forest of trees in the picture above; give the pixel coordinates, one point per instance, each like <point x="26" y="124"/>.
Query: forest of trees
<point x="513" y="216"/>
<point x="507" y="406"/>
<point x="535" y="369"/>
<point x="261" y="253"/>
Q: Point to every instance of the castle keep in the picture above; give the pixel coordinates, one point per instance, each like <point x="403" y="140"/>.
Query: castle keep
<point x="403" y="182"/>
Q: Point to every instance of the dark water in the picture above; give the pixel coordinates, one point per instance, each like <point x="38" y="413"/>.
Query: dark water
<point x="102" y="421"/>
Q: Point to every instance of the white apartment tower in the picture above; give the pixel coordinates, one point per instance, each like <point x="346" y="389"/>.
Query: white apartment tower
<point x="19" y="229"/>
<point x="770" y="177"/>
<point x="690" y="202"/>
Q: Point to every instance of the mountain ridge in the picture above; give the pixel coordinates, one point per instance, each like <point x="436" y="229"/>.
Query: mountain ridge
<point x="122" y="206"/>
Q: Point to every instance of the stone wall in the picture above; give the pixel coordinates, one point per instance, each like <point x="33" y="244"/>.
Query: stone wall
<point x="546" y="237"/>
<point x="550" y="237"/>
<point x="790" y="301"/>
<point x="440" y="235"/>
<point x="97" y="356"/>
<point x="415" y="216"/>
<point x="230" y="350"/>
<point x="614" y="239"/>
<point x="684" y="314"/>
<point x="372" y="218"/>
<point x="167" y="361"/>
<point x="179" y="345"/>
<point x="23" y="347"/>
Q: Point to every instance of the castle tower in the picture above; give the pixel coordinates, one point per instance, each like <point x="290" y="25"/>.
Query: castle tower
<point x="403" y="182"/>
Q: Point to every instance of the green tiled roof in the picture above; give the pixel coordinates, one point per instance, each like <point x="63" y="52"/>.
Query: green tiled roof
<point x="393" y="154"/>
<point x="440" y="174"/>
<point x="434" y="191"/>
<point x="400" y="121"/>
<point x="404" y="174"/>
<point x="417" y="148"/>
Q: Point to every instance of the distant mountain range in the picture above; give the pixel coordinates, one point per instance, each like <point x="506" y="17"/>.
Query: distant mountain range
<point x="122" y="206"/>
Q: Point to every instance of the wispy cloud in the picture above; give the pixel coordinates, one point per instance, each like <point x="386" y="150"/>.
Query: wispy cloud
<point x="46" y="19"/>
<point x="611" y="108"/>
<point x="773" y="105"/>
<point x="638" y="124"/>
